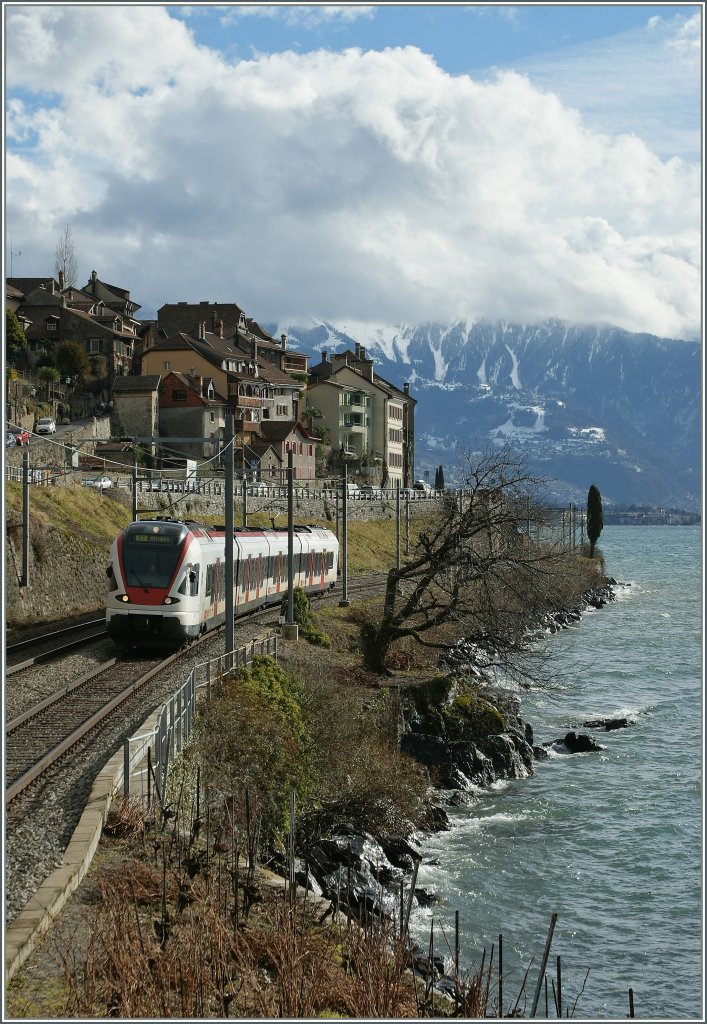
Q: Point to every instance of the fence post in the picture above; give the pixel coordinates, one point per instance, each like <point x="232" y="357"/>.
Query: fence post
<point x="179" y="718"/>
<point x="126" y="768"/>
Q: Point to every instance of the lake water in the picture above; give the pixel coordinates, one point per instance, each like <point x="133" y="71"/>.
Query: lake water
<point x="610" y="841"/>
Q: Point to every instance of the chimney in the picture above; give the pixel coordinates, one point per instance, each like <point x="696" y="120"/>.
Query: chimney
<point x="283" y="342"/>
<point x="369" y="369"/>
<point x="406" y="388"/>
<point x="358" y="350"/>
<point x="325" y="356"/>
<point x="202" y="330"/>
<point x="61" y="280"/>
<point x="94" y="276"/>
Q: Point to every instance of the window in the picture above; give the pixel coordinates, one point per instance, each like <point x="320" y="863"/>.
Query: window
<point x="179" y="395"/>
<point x="281" y="410"/>
<point x="166" y="365"/>
<point x="51" y="325"/>
<point x="212" y="417"/>
<point x="95" y="346"/>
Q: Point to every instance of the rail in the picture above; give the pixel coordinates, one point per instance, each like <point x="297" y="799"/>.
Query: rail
<point x="147" y="756"/>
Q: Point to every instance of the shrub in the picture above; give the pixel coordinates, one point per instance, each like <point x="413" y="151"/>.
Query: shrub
<point x="302" y="615"/>
<point x="253" y="743"/>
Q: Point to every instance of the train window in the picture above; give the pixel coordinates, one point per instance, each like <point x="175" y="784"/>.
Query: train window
<point x="190" y="584"/>
<point x="209" y="579"/>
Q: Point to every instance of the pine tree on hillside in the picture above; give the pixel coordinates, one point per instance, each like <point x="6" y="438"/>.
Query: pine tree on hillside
<point x="595" y="517"/>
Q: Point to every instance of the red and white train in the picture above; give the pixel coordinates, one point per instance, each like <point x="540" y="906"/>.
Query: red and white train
<point x="168" y="577"/>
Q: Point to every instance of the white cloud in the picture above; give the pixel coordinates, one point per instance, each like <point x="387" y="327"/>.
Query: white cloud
<point x="370" y="186"/>
<point x="300" y="15"/>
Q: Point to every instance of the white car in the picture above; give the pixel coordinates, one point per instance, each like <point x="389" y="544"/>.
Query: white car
<point x="101" y="483"/>
<point x="46" y="425"/>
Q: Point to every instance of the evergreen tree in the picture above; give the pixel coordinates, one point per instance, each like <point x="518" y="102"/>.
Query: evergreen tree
<point x="15" y="338"/>
<point x="595" y="517"/>
<point x="440" y="484"/>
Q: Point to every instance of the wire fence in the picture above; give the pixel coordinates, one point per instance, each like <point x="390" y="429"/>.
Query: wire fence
<point x="147" y="756"/>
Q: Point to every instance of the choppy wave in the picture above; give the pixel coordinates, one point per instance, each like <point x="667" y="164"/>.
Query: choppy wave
<point x="610" y="841"/>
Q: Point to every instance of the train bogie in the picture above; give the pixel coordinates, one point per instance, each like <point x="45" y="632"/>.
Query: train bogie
<point x="168" y="578"/>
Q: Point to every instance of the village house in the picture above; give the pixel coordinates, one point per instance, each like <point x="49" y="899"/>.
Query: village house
<point x="192" y="416"/>
<point x="283" y="438"/>
<point x="366" y="415"/>
<point x="136" y="411"/>
<point x="102" y="322"/>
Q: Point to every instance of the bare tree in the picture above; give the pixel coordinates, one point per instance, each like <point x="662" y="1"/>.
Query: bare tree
<point x="65" y="259"/>
<point x="475" y="570"/>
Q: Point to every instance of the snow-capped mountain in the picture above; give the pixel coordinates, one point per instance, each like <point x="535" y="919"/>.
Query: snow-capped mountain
<point x="583" y="404"/>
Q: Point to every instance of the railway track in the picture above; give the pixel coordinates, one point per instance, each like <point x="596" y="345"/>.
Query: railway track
<point x="38" y="649"/>
<point x="43" y="734"/>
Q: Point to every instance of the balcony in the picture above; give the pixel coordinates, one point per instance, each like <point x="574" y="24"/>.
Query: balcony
<point x="353" y="422"/>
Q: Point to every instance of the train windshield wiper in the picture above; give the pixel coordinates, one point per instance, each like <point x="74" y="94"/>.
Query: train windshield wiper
<point x="140" y="582"/>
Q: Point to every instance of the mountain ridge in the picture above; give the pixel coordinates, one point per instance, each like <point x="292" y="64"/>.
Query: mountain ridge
<point x="582" y="404"/>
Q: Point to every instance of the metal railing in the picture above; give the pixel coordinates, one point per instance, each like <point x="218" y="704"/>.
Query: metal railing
<point x="147" y="757"/>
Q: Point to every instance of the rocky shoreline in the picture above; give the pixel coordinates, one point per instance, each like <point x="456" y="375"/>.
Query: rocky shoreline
<point x="468" y="741"/>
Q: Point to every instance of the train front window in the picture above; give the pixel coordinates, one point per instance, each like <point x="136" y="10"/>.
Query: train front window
<point x="151" y="556"/>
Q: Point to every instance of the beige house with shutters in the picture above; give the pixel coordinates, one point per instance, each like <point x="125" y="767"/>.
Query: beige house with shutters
<point x="364" y="413"/>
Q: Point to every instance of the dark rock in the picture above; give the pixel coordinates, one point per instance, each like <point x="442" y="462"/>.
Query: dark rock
<point x="401" y="854"/>
<point x="475" y="766"/>
<point x="429" y="750"/>
<point x="504" y="750"/>
<point x="580" y="743"/>
<point x="608" y="723"/>
<point x="425" y="897"/>
<point x="540" y="753"/>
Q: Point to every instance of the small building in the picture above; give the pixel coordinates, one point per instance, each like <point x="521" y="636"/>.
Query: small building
<point x="135" y="411"/>
<point x="282" y="438"/>
<point x="192" y="415"/>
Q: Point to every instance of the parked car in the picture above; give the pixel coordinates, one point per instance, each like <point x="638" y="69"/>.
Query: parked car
<point x="10" y="441"/>
<point x="369" y="491"/>
<point x="21" y="435"/>
<point x="46" y="425"/>
<point x="261" y="490"/>
<point x="353" y="490"/>
<point x="101" y="483"/>
<point x="408" y="492"/>
<point x="421" y="485"/>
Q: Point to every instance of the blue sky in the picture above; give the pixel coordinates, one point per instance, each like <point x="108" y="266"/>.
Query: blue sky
<point x="374" y="163"/>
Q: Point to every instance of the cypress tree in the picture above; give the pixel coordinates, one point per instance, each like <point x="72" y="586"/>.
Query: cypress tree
<point x="595" y="517"/>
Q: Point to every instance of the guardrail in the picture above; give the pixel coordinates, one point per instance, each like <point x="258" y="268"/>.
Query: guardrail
<point x="147" y="756"/>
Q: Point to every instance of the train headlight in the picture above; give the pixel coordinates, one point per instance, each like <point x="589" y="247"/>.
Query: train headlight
<point x="170" y="600"/>
<point x="123" y="597"/>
